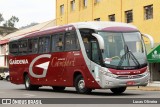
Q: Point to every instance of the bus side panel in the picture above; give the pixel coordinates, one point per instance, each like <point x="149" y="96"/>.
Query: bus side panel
<point x="60" y="72"/>
<point x="16" y="70"/>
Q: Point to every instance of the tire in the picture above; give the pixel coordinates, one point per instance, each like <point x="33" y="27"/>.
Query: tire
<point x="7" y="78"/>
<point x="119" y="90"/>
<point x="1" y="78"/>
<point x="79" y="84"/>
<point x="58" y="88"/>
<point x="28" y="85"/>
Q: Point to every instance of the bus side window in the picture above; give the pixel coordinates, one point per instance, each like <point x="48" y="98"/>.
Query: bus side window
<point x="54" y="37"/>
<point x="57" y="42"/>
<point x="23" y="47"/>
<point x="33" y="45"/>
<point x="13" y="48"/>
<point x="44" y="44"/>
<point x="71" y="41"/>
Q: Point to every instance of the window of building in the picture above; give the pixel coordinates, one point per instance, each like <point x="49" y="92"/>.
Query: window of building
<point x="129" y="16"/>
<point x="71" y="41"/>
<point x="85" y="3"/>
<point x="72" y="5"/>
<point x="13" y="48"/>
<point x="23" y="47"/>
<point x="62" y="9"/>
<point x="57" y="42"/>
<point x="148" y="12"/>
<point x="97" y="19"/>
<point x="33" y="45"/>
<point x="111" y="17"/>
<point x="96" y="1"/>
<point x="44" y="44"/>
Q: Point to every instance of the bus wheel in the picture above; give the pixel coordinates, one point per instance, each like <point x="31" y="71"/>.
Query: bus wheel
<point x="80" y="85"/>
<point x="1" y="78"/>
<point x="28" y="85"/>
<point x="119" y="90"/>
<point x="58" y="88"/>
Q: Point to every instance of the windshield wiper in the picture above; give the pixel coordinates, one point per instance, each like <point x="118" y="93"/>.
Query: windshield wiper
<point x="128" y="55"/>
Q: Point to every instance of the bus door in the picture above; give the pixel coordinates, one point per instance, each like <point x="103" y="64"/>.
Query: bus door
<point x="95" y="59"/>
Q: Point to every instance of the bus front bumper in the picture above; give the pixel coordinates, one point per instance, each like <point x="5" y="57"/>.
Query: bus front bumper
<point x="110" y="82"/>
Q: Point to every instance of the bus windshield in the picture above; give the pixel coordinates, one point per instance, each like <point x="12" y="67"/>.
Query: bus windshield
<point x="123" y="50"/>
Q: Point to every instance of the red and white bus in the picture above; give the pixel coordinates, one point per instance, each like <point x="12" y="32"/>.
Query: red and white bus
<point x="84" y="55"/>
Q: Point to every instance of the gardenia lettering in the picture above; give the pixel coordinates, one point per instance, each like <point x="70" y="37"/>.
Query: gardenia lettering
<point x="23" y="61"/>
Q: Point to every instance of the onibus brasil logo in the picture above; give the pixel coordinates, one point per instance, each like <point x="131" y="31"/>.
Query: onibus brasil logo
<point x="155" y="55"/>
<point x="44" y="66"/>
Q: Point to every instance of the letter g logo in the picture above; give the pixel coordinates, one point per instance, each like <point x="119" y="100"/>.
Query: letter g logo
<point x="44" y="66"/>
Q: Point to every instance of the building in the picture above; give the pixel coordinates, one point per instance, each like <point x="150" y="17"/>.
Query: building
<point x="142" y="13"/>
<point x="4" y="48"/>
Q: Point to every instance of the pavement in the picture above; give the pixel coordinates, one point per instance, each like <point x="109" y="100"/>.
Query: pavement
<point x="153" y="86"/>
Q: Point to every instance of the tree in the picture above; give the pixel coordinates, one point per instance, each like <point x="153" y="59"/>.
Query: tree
<point x="1" y="18"/>
<point x="11" y="22"/>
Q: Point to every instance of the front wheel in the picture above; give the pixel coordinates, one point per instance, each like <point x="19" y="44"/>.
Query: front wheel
<point x="119" y="90"/>
<point x="80" y="85"/>
<point x="28" y="84"/>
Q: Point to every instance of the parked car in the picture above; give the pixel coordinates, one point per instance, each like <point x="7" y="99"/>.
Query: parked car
<point x="4" y="73"/>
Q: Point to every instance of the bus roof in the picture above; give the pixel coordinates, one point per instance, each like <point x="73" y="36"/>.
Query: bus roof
<point x="96" y="25"/>
<point x="100" y="25"/>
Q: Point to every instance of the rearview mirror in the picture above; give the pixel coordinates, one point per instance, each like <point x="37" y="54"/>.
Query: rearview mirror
<point x="100" y="40"/>
<point x="150" y="38"/>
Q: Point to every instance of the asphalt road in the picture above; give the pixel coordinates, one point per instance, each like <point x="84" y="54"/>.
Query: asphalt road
<point x="9" y="90"/>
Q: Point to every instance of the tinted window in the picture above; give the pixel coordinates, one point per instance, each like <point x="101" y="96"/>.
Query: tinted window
<point x="13" y="47"/>
<point x="57" y="42"/>
<point x="44" y="44"/>
<point x="22" y="46"/>
<point x="33" y="45"/>
<point x="71" y="41"/>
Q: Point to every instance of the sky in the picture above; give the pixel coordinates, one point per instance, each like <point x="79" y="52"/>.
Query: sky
<point x="28" y="11"/>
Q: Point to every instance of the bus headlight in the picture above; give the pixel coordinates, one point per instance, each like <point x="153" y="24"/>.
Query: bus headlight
<point x="146" y="72"/>
<point x="107" y="73"/>
<point x="111" y="75"/>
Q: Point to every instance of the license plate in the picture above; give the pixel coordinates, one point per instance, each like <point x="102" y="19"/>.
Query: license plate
<point x="130" y="83"/>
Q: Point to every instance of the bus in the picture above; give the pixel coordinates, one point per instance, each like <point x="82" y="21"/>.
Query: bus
<point x="85" y="55"/>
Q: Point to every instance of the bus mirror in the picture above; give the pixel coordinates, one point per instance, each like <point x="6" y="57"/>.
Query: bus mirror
<point x="150" y="38"/>
<point x="100" y="40"/>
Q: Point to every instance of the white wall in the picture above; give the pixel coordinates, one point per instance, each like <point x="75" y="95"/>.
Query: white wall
<point x="1" y="60"/>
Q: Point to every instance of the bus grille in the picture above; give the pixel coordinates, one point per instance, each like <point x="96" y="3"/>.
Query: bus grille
<point x="129" y="76"/>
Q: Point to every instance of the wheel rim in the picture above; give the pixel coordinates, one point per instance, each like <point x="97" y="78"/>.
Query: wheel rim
<point x="81" y="84"/>
<point x="27" y="82"/>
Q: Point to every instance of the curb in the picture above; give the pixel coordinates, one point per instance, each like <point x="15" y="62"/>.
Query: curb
<point x="147" y="88"/>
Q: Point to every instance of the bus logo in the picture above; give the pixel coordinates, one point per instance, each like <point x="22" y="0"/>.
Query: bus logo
<point x="44" y="66"/>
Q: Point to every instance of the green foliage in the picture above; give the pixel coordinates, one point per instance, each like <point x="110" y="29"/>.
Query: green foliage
<point x="11" y="22"/>
<point x="1" y="18"/>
